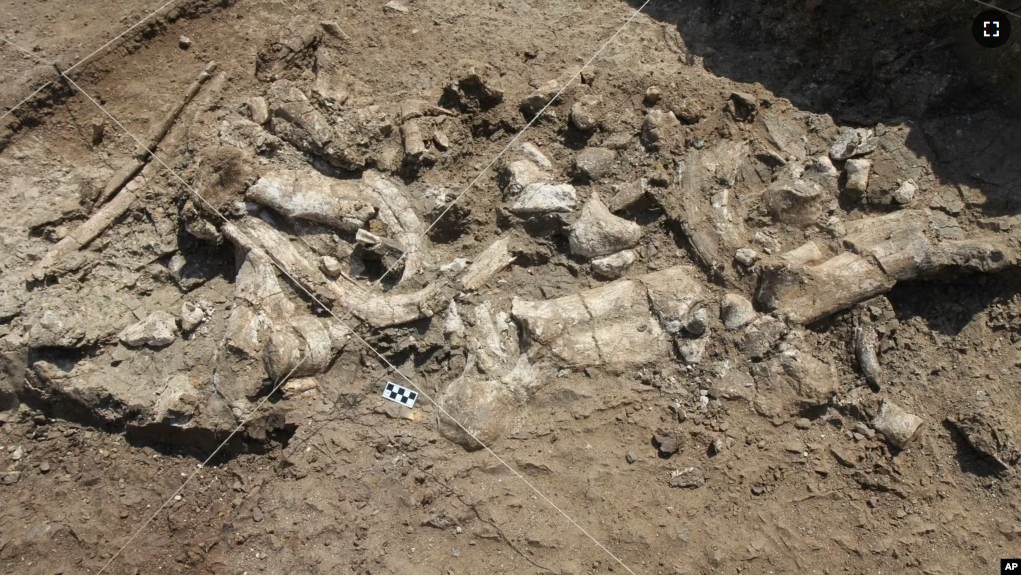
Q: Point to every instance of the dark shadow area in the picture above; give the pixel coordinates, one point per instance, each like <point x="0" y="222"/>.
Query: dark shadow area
<point x="877" y="61"/>
<point x="971" y="461"/>
<point x="948" y="306"/>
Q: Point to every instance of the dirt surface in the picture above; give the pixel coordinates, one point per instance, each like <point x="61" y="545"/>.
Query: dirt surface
<point x="681" y="313"/>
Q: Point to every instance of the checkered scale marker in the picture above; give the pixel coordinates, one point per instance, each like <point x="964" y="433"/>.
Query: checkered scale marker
<point x="400" y="394"/>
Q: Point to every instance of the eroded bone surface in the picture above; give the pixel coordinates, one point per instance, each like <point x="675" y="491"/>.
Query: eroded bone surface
<point x="597" y="232"/>
<point x="479" y="406"/>
<point x="885" y="249"/>
<point x="308" y="195"/>
<point x="612" y="324"/>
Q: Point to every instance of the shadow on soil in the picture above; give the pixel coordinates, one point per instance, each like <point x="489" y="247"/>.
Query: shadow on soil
<point x="876" y="61"/>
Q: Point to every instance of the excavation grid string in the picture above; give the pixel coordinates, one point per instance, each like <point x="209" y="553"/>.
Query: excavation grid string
<point x="80" y="62"/>
<point x="368" y="346"/>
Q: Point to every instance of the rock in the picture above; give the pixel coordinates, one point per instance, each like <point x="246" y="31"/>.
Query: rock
<point x="652" y="96"/>
<point x="803" y="423"/>
<point x="326" y="95"/>
<point x="333" y="29"/>
<point x="716" y="447"/>
<point x="441" y="141"/>
<point x="742" y="106"/>
<point x="760" y="336"/>
<point x="626" y="195"/>
<point x="994" y="442"/>
<point x="688" y="478"/>
<point x="692" y="350"/>
<point x="395" y="6"/>
<point x="545" y="198"/>
<point x="822" y="171"/>
<point x="857" y="172"/>
<point x="537" y="156"/>
<point x="796" y="380"/>
<point x="677" y="300"/>
<point x="615" y="265"/>
<point x="866" y="431"/>
<point x="852" y="142"/>
<point x="474" y="90"/>
<point x="630" y="458"/>
<point x="531" y="105"/>
<point x="44" y="467"/>
<point x="191" y="316"/>
<point x="798" y="202"/>
<point x="330" y="266"/>
<point x="898" y="426"/>
<point x="258" y="110"/>
<point x="736" y="311"/>
<point x="582" y="115"/>
<point x="184" y="42"/>
<point x="18" y="454"/>
<point x="757" y="489"/>
<point x="594" y="163"/>
<point x="697" y="321"/>
<point x="10" y="478"/>
<point x="597" y="232"/>
<point x="667" y="444"/>
<point x="515" y="176"/>
<point x="905" y="192"/>
<point x="746" y="256"/>
<point x="158" y="329"/>
<point x="653" y="127"/>
<point x="844" y="457"/>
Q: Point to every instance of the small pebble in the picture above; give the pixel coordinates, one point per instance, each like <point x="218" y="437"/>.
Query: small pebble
<point x="630" y="458"/>
<point x="803" y="423"/>
<point x="184" y="42"/>
<point x="653" y="95"/>
<point x="716" y="447"/>
<point x="757" y="489"/>
<point x="746" y="256"/>
<point x="44" y="467"/>
<point x="906" y="192"/>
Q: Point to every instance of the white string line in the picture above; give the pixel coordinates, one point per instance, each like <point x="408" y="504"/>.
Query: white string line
<point x="26" y="99"/>
<point x="997" y="8"/>
<point x="37" y="90"/>
<point x="119" y="36"/>
<point x="357" y="336"/>
<point x="312" y="297"/>
<point x="80" y="62"/>
<point x="198" y="469"/>
<point x="20" y="49"/>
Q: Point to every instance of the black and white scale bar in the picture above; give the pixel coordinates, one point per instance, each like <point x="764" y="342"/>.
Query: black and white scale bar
<point x="400" y="394"/>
